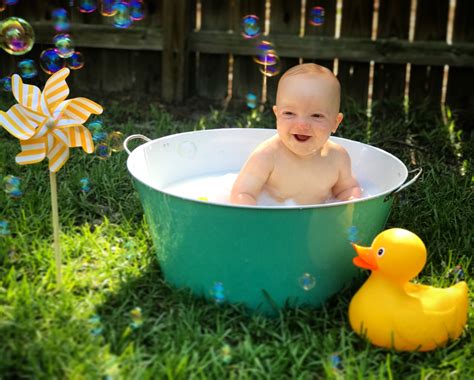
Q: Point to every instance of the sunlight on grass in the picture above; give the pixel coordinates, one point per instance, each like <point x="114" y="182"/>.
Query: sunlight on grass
<point x="93" y="327"/>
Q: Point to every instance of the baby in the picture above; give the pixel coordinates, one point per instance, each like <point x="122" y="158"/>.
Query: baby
<point x="300" y="163"/>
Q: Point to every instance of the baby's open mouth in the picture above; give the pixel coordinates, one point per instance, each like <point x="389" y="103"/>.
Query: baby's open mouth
<point x="302" y="138"/>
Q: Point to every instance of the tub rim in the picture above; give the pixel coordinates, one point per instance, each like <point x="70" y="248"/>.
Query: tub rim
<point x="403" y="183"/>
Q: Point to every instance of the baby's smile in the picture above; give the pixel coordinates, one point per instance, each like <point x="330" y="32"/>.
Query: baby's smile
<point x="301" y="138"/>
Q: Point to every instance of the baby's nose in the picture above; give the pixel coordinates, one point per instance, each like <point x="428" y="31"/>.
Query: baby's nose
<point x="303" y="123"/>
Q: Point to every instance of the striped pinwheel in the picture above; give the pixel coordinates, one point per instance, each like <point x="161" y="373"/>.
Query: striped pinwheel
<point x="47" y="124"/>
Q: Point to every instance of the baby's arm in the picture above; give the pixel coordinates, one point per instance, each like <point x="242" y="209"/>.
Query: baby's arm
<point x="346" y="187"/>
<point x="252" y="178"/>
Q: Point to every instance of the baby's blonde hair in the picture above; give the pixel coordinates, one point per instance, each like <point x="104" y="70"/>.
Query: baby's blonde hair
<point x="313" y="68"/>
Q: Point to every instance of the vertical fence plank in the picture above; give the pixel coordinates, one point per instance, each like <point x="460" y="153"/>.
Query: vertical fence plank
<point x="431" y="21"/>
<point x="460" y="97"/>
<point x="211" y="81"/>
<point x="354" y="76"/>
<point x="389" y="79"/>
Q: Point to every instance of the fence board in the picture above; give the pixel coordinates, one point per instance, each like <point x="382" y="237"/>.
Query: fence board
<point x="356" y="22"/>
<point x="460" y="96"/>
<point x="389" y="79"/>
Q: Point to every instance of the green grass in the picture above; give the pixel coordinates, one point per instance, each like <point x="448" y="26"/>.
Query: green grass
<point x="109" y="267"/>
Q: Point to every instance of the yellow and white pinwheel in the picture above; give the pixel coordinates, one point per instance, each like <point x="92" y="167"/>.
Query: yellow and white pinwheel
<point x="47" y="124"/>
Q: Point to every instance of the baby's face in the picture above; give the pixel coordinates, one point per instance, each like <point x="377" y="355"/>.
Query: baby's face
<point x="306" y="112"/>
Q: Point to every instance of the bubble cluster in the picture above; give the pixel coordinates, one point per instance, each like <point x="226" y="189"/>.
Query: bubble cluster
<point x="17" y="37"/>
<point x="6" y="83"/>
<point x="87" y="6"/>
<point x="307" y="281"/>
<point x="12" y="186"/>
<point x="137" y="318"/>
<point x="251" y="100"/>
<point x="217" y="292"/>
<point x="4" y="229"/>
<point x="60" y="20"/>
<point x="187" y="149"/>
<point x="64" y="45"/>
<point x="250" y="26"/>
<point x="85" y="185"/>
<point x="316" y="16"/>
<point x="50" y="61"/>
<point x="268" y="59"/>
<point x="27" y="68"/>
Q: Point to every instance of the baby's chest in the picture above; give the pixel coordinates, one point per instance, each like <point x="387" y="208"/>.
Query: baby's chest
<point x="293" y="180"/>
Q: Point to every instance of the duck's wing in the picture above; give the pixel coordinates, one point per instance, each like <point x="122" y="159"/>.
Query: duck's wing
<point x="436" y="316"/>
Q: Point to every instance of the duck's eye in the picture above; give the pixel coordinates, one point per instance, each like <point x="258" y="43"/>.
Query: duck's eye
<point x="380" y="252"/>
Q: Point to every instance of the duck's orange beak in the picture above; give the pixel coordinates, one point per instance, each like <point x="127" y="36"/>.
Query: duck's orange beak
<point x="365" y="257"/>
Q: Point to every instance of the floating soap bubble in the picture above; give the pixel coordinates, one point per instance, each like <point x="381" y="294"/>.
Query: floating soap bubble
<point x="115" y="141"/>
<point x="122" y="18"/>
<point x="137" y="318"/>
<point x="6" y="84"/>
<point x="251" y="100"/>
<point x="96" y="325"/>
<point x="60" y="20"/>
<point x="85" y="185"/>
<point x="336" y="362"/>
<point x="264" y="49"/>
<point x="64" y="45"/>
<point x="95" y="125"/>
<point x="87" y="6"/>
<point x="107" y="8"/>
<point x="352" y="233"/>
<point x="99" y="136"/>
<point x="11" y="2"/>
<point x="102" y="151"/>
<point x="137" y="10"/>
<point x="27" y="68"/>
<point x="187" y="149"/>
<point x="226" y="353"/>
<point x="217" y="292"/>
<point x="17" y="37"/>
<point x="273" y="69"/>
<point x="50" y="61"/>
<point x="12" y="186"/>
<point x="4" y="230"/>
<point x="307" y="282"/>
<point x="250" y="26"/>
<point x="316" y="16"/>
<point x="75" y="61"/>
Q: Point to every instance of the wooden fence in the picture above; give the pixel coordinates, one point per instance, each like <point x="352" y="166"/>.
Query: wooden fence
<point x="417" y="49"/>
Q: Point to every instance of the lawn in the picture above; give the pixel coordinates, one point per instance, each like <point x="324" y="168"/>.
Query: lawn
<point x="116" y="318"/>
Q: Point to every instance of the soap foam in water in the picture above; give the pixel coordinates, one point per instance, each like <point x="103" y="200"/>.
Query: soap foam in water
<point x="216" y="188"/>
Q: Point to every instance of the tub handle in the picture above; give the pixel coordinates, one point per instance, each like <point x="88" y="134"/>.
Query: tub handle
<point x="133" y="137"/>
<point x="417" y="172"/>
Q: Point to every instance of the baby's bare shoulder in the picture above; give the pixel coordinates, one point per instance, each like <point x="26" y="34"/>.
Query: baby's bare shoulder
<point x="268" y="148"/>
<point x="338" y="152"/>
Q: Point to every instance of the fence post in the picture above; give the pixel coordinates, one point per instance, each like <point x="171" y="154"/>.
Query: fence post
<point x="176" y="26"/>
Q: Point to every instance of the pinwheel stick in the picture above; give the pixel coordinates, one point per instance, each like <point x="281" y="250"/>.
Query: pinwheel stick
<point x="57" y="247"/>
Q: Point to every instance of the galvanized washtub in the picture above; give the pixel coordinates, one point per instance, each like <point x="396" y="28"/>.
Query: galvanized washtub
<point x="262" y="257"/>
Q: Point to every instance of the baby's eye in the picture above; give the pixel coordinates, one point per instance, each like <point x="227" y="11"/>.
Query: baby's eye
<point x="316" y="115"/>
<point x="288" y="113"/>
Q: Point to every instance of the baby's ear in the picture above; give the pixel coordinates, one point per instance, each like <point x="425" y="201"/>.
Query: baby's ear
<point x="275" y="110"/>
<point x="339" y="118"/>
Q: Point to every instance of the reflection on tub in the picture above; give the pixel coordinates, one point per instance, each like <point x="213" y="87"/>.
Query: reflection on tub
<point x="216" y="188"/>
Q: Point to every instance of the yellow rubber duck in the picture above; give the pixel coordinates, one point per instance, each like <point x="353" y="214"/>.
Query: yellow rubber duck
<point x="395" y="313"/>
